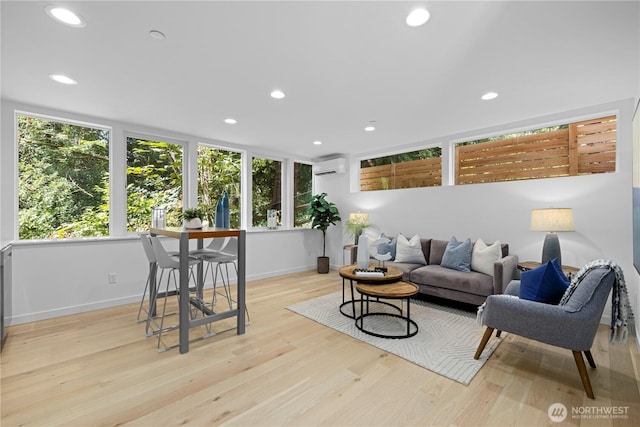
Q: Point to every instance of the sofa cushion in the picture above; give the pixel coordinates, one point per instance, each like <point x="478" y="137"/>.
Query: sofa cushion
<point x="546" y="283"/>
<point x="409" y="251"/>
<point x="442" y="277"/>
<point x="406" y="268"/>
<point x="457" y="255"/>
<point x="484" y="256"/>
<point x="436" y="251"/>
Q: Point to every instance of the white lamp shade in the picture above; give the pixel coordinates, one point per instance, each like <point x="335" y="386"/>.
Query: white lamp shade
<point x="552" y="219"/>
<point x="359" y="218"/>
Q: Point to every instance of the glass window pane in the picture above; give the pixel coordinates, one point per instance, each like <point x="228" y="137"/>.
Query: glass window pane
<point x="422" y="168"/>
<point x="219" y="171"/>
<point x="63" y="180"/>
<point x="266" y="190"/>
<point x="154" y="180"/>
<point x="579" y="148"/>
<point x="302" y="192"/>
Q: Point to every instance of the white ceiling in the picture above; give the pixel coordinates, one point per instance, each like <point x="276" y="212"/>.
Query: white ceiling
<point x="341" y="64"/>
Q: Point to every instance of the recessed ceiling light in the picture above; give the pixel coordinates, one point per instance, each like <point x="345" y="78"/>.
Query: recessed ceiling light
<point x="489" y="95"/>
<point x="370" y="128"/>
<point x="65" y="16"/>
<point x="230" y="121"/>
<point x="60" y="78"/>
<point x="277" y="94"/>
<point x="317" y="142"/>
<point x="158" y="35"/>
<point x="418" y="17"/>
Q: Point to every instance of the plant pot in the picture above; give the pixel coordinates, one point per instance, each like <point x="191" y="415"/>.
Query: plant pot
<point x="323" y="264"/>
<point x="192" y="223"/>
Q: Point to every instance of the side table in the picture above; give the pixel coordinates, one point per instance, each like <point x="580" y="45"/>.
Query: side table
<point x="398" y="291"/>
<point x="568" y="270"/>
<point x="392" y="275"/>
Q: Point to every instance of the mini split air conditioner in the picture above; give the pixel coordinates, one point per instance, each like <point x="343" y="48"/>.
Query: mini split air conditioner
<point x="330" y="166"/>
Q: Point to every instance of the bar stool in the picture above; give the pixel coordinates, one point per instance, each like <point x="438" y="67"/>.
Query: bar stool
<point x="165" y="262"/>
<point x="151" y="257"/>
<point x="228" y="255"/>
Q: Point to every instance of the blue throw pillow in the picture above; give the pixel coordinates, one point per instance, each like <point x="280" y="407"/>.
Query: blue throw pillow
<point x="457" y="255"/>
<point x="546" y="283"/>
<point x="390" y="247"/>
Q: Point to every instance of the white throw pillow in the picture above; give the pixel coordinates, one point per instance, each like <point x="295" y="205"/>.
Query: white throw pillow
<point x="409" y="251"/>
<point x="483" y="257"/>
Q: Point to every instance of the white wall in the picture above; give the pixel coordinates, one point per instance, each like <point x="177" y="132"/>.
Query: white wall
<point x="602" y="207"/>
<point x="57" y="278"/>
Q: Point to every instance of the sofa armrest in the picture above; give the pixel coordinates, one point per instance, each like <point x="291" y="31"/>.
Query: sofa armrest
<point x="504" y="270"/>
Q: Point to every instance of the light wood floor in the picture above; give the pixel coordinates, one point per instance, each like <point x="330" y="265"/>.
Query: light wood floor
<point x="98" y="369"/>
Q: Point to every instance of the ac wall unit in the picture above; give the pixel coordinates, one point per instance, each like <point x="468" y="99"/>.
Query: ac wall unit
<point x="330" y="166"/>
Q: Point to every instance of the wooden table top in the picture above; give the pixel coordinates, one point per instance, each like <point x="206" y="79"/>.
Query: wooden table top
<point x="196" y="233"/>
<point x="391" y="290"/>
<point x="392" y="275"/>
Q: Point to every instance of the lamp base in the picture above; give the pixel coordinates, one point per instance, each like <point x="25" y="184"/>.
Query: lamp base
<point x="551" y="248"/>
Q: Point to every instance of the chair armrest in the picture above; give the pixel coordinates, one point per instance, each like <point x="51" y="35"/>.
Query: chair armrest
<point x="546" y="323"/>
<point x="504" y="270"/>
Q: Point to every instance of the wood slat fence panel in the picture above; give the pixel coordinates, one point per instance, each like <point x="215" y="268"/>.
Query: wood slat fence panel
<point x="585" y="147"/>
<point x="415" y="173"/>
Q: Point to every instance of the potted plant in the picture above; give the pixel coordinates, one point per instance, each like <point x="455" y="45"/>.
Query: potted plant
<point x="191" y="218"/>
<point x="323" y="214"/>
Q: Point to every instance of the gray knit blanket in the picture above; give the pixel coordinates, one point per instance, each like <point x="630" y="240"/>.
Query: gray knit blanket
<point x="621" y="311"/>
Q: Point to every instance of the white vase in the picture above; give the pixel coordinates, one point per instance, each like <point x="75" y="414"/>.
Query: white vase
<point x="363" y="252"/>
<point x="192" y="223"/>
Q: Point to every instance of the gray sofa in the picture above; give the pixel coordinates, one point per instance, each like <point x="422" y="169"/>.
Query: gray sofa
<point x="472" y="287"/>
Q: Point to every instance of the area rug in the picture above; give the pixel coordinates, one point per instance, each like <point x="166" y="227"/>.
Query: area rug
<point x="446" y="341"/>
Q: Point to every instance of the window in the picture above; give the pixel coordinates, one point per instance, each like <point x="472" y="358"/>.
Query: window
<point x="302" y="189"/>
<point x="579" y="148"/>
<point x="422" y="168"/>
<point x="63" y="179"/>
<point x="154" y="180"/>
<point x="266" y="190"/>
<point x="218" y="171"/>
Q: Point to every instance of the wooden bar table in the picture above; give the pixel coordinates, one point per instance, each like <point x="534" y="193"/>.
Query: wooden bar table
<point x="184" y="235"/>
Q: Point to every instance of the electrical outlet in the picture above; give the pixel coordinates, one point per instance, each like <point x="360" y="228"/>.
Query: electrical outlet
<point x="113" y="278"/>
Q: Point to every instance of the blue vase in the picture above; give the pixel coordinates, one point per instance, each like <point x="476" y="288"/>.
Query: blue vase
<point x="225" y="210"/>
<point x="219" y="215"/>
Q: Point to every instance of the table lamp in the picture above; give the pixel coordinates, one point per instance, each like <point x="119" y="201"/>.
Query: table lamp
<point x="552" y="220"/>
<point x="358" y="221"/>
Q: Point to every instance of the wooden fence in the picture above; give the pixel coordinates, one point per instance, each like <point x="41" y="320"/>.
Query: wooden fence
<point x="585" y="147"/>
<point x="415" y="173"/>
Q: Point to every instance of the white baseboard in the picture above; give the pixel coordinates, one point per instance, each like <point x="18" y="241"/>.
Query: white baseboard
<point x="97" y="305"/>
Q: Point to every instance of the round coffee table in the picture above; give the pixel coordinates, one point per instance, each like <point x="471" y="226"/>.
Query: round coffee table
<point x="399" y="290"/>
<point x="392" y="275"/>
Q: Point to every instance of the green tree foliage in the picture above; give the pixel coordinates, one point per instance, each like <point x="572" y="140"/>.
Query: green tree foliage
<point x="62" y="168"/>
<point x="302" y="189"/>
<point x="266" y="188"/>
<point x="219" y="170"/>
<point x="154" y="180"/>
<point x="427" y="153"/>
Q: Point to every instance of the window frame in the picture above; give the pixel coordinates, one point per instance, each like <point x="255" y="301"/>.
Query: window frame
<point x="359" y="159"/>
<point x="452" y="143"/>
<point x="243" y="154"/>
<point x="284" y="209"/>
<point x="153" y="137"/>
<point x="18" y="112"/>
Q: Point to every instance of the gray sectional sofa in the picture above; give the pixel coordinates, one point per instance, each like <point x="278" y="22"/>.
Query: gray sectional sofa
<point x="468" y="287"/>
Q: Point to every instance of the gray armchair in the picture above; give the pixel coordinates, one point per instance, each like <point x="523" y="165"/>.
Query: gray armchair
<point x="572" y="326"/>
